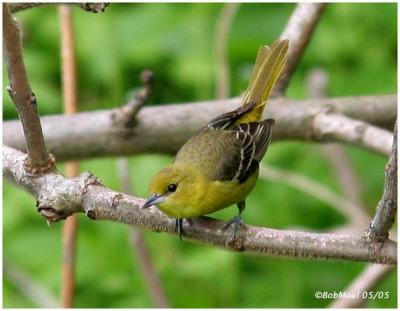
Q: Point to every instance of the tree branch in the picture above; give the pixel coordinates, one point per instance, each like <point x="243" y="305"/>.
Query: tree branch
<point x="59" y="197"/>
<point x="387" y="207"/>
<point x="125" y="117"/>
<point x="20" y="91"/>
<point x="299" y="29"/>
<point x="336" y="127"/>
<point x="165" y="128"/>
<point x="95" y="7"/>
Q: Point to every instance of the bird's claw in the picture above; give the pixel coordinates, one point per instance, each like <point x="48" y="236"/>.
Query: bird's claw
<point x="236" y="222"/>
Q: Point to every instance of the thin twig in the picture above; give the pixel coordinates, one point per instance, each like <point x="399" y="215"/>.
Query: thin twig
<point x="317" y="190"/>
<point x="38" y="160"/>
<point x="298" y="31"/>
<point x="124" y="118"/>
<point x="58" y="197"/>
<point x="139" y="244"/>
<point x="96" y="7"/>
<point x="221" y="34"/>
<point x="165" y="128"/>
<point x="31" y="289"/>
<point x="72" y="168"/>
<point x="387" y="207"/>
<point x="364" y="283"/>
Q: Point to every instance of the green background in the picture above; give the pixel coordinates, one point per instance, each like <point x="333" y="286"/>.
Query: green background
<point x="356" y="44"/>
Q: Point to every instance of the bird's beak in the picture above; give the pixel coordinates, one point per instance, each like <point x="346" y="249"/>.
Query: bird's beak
<point x="153" y="200"/>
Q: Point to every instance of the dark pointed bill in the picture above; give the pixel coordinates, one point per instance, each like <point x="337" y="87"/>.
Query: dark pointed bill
<point x="154" y="199"/>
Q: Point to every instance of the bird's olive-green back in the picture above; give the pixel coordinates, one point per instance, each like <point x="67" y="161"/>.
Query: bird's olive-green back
<point x="215" y="152"/>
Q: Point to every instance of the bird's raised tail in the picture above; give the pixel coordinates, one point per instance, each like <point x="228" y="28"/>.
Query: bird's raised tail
<point x="266" y="71"/>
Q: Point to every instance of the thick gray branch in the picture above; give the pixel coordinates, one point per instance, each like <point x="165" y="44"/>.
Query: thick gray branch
<point x="163" y="129"/>
<point x="387" y="207"/>
<point x="96" y="7"/>
<point x="22" y="95"/>
<point x="59" y="197"/>
<point x="336" y="127"/>
<point x="298" y="31"/>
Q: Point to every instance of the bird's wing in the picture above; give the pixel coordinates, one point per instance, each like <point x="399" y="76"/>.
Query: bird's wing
<point x="247" y="151"/>
<point x="260" y="133"/>
<point x="254" y="139"/>
<point x="226" y="120"/>
<point x="227" y="155"/>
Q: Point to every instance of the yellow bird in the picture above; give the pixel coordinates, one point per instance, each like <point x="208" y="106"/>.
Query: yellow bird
<point x="219" y="165"/>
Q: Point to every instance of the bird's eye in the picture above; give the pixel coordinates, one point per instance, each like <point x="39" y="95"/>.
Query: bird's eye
<point x="172" y="187"/>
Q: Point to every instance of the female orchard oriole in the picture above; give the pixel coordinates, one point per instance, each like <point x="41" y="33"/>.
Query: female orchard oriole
<point x="219" y="166"/>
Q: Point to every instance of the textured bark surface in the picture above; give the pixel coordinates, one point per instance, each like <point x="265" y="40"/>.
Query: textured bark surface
<point x="163" y="129"/>
<point x="387" y="207"/>
<point x="59" y="197"/>
<point x="21" y="93"/>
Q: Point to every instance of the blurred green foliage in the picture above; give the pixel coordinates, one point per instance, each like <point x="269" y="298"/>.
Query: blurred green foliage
<point x="356" y="44"/>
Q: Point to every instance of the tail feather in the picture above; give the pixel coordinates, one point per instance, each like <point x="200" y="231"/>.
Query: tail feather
<point x="266" y="71"/>
<point x="262" y="54"/>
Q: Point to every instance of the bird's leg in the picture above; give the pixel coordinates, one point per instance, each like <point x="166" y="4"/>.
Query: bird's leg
<point x="179" y="227"/>
<point x="237" y="220"/>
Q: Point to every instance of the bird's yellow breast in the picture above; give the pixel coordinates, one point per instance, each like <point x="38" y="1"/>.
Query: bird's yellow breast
<point x="209" y="197"/>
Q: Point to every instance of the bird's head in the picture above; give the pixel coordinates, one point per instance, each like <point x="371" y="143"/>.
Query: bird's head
<point x="172" y="189"/>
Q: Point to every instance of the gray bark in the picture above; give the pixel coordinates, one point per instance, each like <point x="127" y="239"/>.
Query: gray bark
<point x="163" y="129"/>
<point x="58" y="197"/>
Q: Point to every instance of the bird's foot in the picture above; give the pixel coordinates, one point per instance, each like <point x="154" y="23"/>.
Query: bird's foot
<point x="236" y="222"/>
<point x="179" y="227"/>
